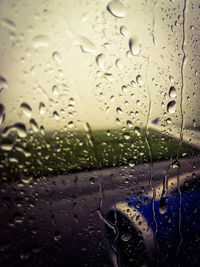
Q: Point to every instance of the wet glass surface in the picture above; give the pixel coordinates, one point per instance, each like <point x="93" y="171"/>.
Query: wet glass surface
<point x="99" y="133"/>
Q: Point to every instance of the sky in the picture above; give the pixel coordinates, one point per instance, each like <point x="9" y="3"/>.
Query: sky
<point x="106" y="63"/>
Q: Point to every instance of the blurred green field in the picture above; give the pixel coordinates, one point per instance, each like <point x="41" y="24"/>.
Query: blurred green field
<point x="62" y="152"/>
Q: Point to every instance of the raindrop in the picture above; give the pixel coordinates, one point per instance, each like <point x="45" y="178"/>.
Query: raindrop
<point x="194" y="123"/>
<point x="9" y="24"/>
<point x="119" y="111"/>
<point x="124" y="31"/>
<point x="139" y="79"/>
<point x="71" y="101"/>
<point x="168" y="120"/>
<point x="155" y="121"/>
<point x="86" y="45"/>
<point x="108" y="133"/>
<point x="42" y="108"/>
<point x="116" y="8"/>
<point x="92" y="180"/>
<point x="118" y="63"/>
<point x="3" y="83"/>
<point x="34" y="125"/>
<point x="126" y="136"/>
<point x="129" y="124"/>
<point x="124" y="89"/>
<point x="26" y="180"/>
<point x="171" y="107"/>
<point x="131" y="163"/>
<point x="128" y="54"/>
<point x="112" y="98"/>
<point x="100" y="60"/>
<point x="6" y="145"/>
<point x="2" y="114"/>
<point x="172" y="92"/>
<point x="118" y="120"/>
<point x="71" y="124"/>
<point x="137" y="131"/>
<point x="36" y="250"/>
<point x="56" y="115"/>
<point x="57" y="236"/>
<point x="163" y="205"/>
<point x="55" y="90"/>
<point x="134" y="46"/>
<point x="108" y="76"/>
<point x="126" y="237"/>
<point x="18" y="127"/>
<point x="25" y="255"/>
<point x="27" y="110"/>
<point x="138" y="102"/>
<point x="56" y="57"/>
<point x="171" y="79"/>
<point x="40" y="41"/>
<point x="18" y="217"/>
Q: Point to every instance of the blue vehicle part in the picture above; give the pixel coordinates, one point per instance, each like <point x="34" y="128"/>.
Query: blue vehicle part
<point x="168" y="227"/>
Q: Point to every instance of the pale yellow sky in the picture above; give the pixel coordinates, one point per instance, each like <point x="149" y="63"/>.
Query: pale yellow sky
<point x="81" y="63"/>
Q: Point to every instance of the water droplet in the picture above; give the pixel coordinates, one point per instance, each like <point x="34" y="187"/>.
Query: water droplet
<point x="139" y="79"/>
<point x="71" y="101"/>
<point x="172" y="92"/>
<point x="118" y="63"/>
<point x="40" y="41"/>
<point x="3" y="83"/>
<point x="131" y="163"/>
<point x="57" y="236"/>
<point x="129" y="124"/>
<point x="92" y="180"/>
<point x="56" y="115"/>
<point x="168" y="120"/>
<point x="27" y="110"/>
<point x="2" y="114"/>
<point x="171" y="79"/>
<point x="34" y="125"/>
<point x="155" y="121"/>
<point x="18" y="217"/>
<point x="126" y="136"/>
<point x="119" y="111"/>
<point x="71" y="124"/>
<point x="36" y="250"/>
<point x="55" y="90"/>
<point x="135" y="46"/>
<point x="25" y="255"/>
<point x="126" y="237"/>
<point x="56" y="57"/>
<point x="85" y="44"/>
<point x="18" y="127"/>
<point x="124" y="31"/>
<point x="8" y="23"/>
<point x="171" y="107"/>
<point x="138" y="102"/>
<point x="100" y="60"/>
<point x="26" y="180"/>
<point x="42" y="108"/>
<point x="124" y="89"/>
<point x="108" y="76"/>
<point x="6" y="145"/>
<point x="106" y="45"/>
<point x="163" y="205"/>
<point x="137" y="130"/>
<point x="116" y="8"/>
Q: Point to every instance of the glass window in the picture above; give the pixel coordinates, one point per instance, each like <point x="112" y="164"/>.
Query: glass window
<point x="99" y="132"/>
